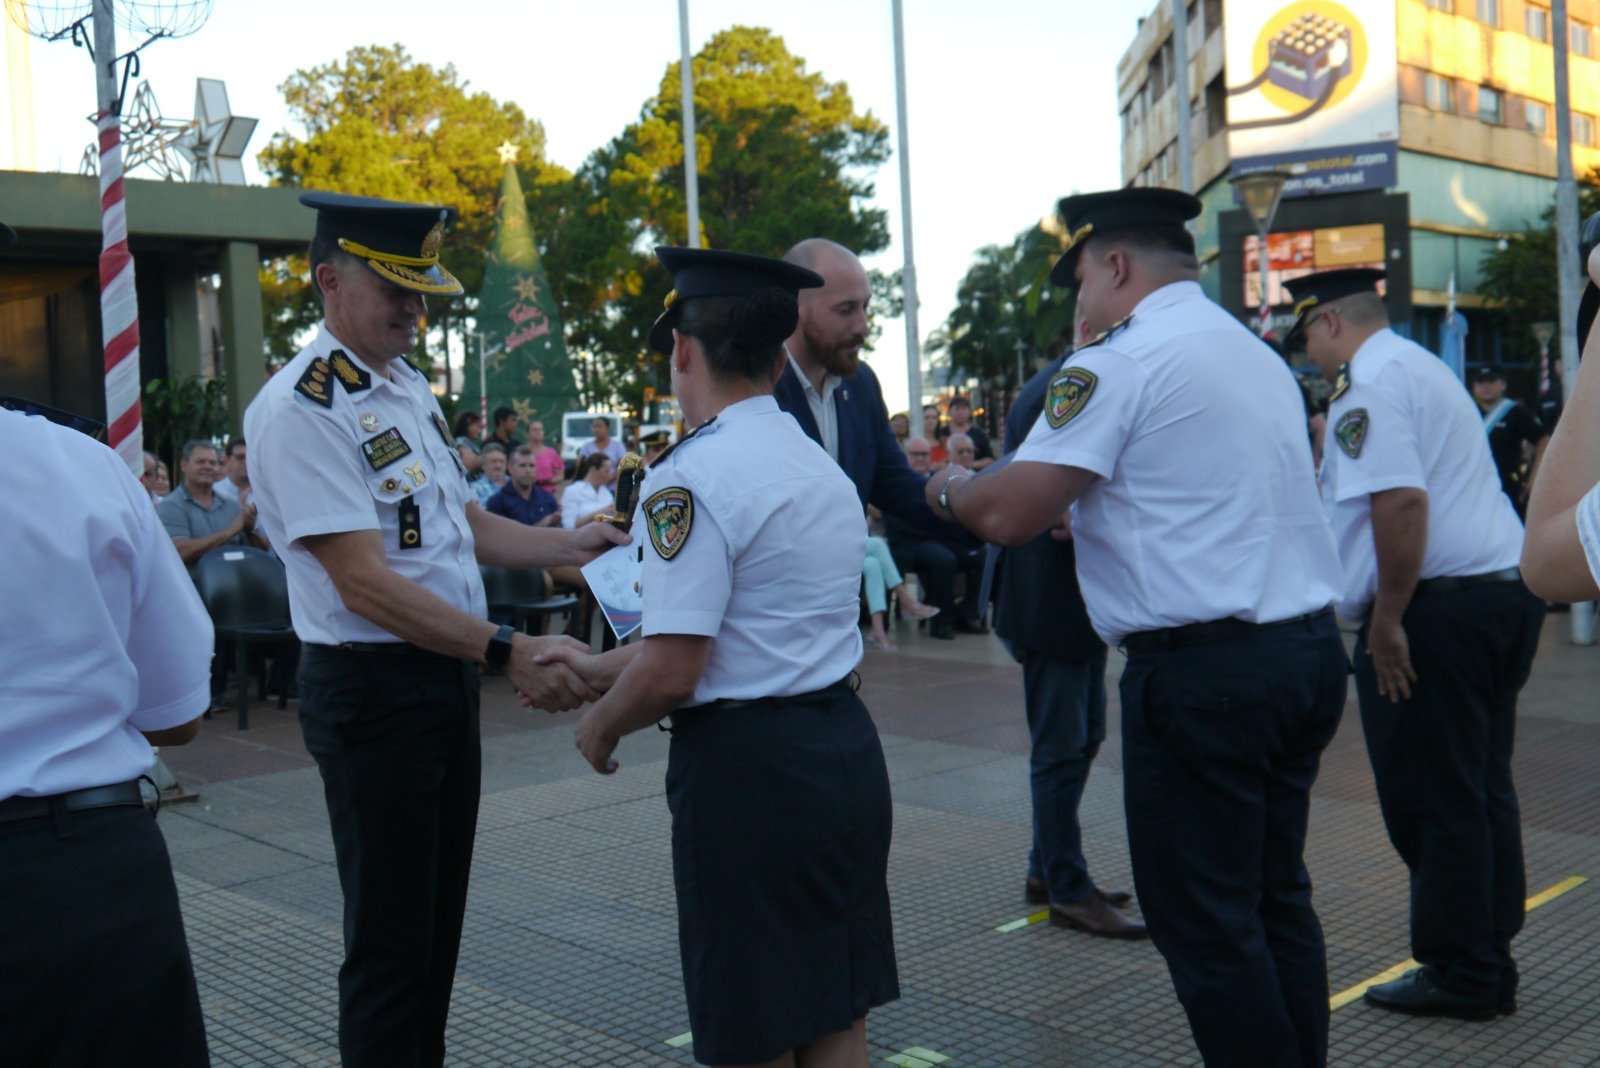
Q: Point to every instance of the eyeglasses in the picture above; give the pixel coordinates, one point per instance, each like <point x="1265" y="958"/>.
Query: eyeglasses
<point x="55" y="415"/>
<point x="920" y="452"/>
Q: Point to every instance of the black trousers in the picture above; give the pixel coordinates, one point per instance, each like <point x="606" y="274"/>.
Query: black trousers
<point x="1220" y="745"/>
<point x="937" y="565"/>
<point x="1442" y="764"/>
<point x="94" y="968"/>
<point x="395" y="736"/>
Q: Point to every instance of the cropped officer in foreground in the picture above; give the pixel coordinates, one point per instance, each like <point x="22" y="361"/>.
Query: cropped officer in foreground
<point x="1203" y="553"/>
<point x="1430" y="546"/>
<point x="105" y="650"/>
<point x="362" y="491"/>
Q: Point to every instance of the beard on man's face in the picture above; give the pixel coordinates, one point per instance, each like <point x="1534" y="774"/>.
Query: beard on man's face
<point x="839" y="356"/>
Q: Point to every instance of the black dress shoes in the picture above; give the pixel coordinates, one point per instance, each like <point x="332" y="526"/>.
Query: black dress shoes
<point x="942" y="630"/>
<point x="1093" y="915"/>
<point x="1418" y="993"/>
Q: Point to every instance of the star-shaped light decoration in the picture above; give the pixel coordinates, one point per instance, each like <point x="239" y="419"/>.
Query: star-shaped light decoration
<point x="525" y="410"/>
<point x="508" y="152"/>
<point x="497" y="360"/>
<point x="527" y="288"/>
<point x="535" y="378"/>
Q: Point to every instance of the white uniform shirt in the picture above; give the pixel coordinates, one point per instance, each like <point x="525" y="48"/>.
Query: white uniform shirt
<point x="1588" y="516"/>
<point x="768" y="562"/>
<point x="361" y="461"/>
<point x="821" y="404"/>
<point x="104" y="634"/>
<point x="224" y="487"/>
<point x="1206" y="506"/>
<point x="1406" y="422"/>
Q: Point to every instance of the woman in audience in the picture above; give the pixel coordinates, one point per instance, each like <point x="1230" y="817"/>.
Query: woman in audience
<point x="882" y="579"/>
<point x="469" y="427"/>
<point x="587" y="497"/>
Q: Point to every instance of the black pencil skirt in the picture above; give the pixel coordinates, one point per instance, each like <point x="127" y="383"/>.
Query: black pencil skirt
<point x="781" y="820"/>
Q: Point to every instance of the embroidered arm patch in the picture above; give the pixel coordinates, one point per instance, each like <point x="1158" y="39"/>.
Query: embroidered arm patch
<point x="669" y="515"/>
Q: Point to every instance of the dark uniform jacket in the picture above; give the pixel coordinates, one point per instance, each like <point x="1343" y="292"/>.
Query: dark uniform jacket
<point x="1040" y="606"/>
<point x="868" y="451"/>
<point x="1506" y="440"/>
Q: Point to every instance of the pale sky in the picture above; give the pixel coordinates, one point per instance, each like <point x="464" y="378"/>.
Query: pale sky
<point x="1012" y="103"/>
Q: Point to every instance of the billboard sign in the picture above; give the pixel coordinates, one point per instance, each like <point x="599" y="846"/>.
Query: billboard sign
<point x="1313" y="91"/>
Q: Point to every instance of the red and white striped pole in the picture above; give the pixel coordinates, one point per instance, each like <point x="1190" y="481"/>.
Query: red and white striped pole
<point x="119" y="304"/>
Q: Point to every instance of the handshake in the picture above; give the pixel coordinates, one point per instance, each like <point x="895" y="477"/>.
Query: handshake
<point x="556" y="673"/>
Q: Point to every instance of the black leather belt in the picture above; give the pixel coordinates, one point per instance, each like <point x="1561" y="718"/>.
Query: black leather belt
<point x="1217" y="630"/>
<point x="117" y="795"/>
<point x="849" y="684"/>
<point x="1447" y="583"/>
<point x="385" y="649"/>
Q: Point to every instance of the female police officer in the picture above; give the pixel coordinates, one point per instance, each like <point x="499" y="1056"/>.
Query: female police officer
<point x="776" y="781"/>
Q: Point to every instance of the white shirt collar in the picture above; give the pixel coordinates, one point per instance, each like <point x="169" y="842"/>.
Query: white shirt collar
<point x="830" y="381"/>
<point x="1168" y="295"/>
<point x="327" y="343"/>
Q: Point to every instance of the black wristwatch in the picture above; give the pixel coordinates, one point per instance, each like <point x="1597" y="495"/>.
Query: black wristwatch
<point x="498" y="652"/>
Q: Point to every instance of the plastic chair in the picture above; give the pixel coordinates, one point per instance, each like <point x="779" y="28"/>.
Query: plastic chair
<point x="521" y="594"/>
<point x="247" y="594"/>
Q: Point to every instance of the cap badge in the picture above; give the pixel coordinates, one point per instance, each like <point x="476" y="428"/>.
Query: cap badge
<point x="435" y="238"/>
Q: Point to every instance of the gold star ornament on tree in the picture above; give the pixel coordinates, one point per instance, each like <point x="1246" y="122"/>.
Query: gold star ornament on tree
<point x="527" y="288"/>
<point x="508" y="152"/>
<point x="535" y="378"/>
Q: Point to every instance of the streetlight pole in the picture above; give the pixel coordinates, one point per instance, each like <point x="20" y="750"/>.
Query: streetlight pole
<point x="908" y="275"/>
<point x="691" y="166"/>
<point x="1261" y="191"/>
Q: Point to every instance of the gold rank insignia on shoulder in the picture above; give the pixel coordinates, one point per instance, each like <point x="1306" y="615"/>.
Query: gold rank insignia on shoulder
<point x="1067" y="393"/>
<point x="1351" y="432"/>
<point x="1108" y="332"/>
<point x="669" y="515"/>
<point x="350" y="376"/>
<point x="1341" y="386"/>
<point x="314" y="383"/>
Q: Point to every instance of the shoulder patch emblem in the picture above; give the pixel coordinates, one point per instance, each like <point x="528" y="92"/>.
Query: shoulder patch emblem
<point x="350" y="376"/>
<point x="1068" y="392"/>
<point x="669" y="514"/>
<point x="1341" y="385"/>
<point x="314" y="383"/>
<point x="1351" y="432"/>
<point x="387" y="448"/>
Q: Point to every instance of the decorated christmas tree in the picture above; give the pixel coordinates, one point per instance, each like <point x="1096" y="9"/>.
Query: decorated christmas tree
<point x="525" y="357"/>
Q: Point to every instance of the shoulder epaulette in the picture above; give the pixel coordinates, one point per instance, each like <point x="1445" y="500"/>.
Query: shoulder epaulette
<point x="1108" y="333"/>
<point x="668" y="450"/>
<point x="1341" y="386"/>
<point x="314" y="383"/>
<point x="351" y="377"/>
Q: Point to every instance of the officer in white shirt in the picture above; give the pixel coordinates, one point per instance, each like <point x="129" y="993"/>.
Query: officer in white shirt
<point x="1430" y="547"/>
<point x="105" y="651"/>
<point x="776" y="780"/>
<point x="362" y="492"/>
<point x="1202" y="551"/>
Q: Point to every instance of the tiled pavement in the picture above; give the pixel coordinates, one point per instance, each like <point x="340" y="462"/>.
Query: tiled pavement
<point x="570" y="952"/>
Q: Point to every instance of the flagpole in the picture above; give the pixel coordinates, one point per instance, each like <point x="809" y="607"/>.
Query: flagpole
<point x="483" y="387"/>
<point x="691" y="166"/>
<point x="908" y="278"/>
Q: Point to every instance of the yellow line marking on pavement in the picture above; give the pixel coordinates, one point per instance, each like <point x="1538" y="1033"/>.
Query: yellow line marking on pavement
<point x="679" y="1041"/>
<point x="917" y="1057"/>
<point x="1345" y="997"/>
<point x="1017" y="925"/>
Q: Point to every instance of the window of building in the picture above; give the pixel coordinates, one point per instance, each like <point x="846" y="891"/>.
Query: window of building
<point x="1442" y="5"/>
<point x="1489" y="12"/>
<point x="1579" y="39"/>
<point x="1536" y="20"/>
<point x="1216" y="107"/>
<point x="1439" y="92"/>
<point x="1582" y="129"/>
<point x="1537" y="117"/>
<point x="1491" y="105"/>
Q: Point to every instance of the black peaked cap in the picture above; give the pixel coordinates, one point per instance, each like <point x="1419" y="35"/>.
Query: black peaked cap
<point x="1149" y="208"/>
<point x="704" y="272"/>
<point x="399" y="242"/>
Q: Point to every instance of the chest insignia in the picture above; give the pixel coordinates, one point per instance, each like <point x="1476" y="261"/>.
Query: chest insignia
<point x="444" y="431"/>
<point x="1351" y="432"/>
<point x="1068" y="392"/>
<point x="349" y="375"/>
<point x="385" y="449"/>
<point x="1341" y="385"/>
<point x="416" y="474"/>
<point x="369" y="422"/>
<point x="314" y="383"/>
<point x="669" y="515"/>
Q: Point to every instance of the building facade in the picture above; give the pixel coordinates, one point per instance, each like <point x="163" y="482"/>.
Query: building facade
<point x="1474" y="147"/>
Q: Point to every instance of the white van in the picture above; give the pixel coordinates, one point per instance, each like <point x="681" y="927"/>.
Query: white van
<point x="577" y="430"/>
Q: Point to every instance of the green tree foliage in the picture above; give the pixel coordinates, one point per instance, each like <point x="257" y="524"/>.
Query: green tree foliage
<point x="1005" y="299"/>
<point x="379" y="123"/>
<point x="782" y="155"/>
<point x="1521" y="278"/>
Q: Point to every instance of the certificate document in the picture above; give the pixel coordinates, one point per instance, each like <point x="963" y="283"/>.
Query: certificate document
<point x="614" y="578"/>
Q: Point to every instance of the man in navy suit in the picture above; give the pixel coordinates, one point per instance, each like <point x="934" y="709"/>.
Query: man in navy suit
<point x="834" y="396"/>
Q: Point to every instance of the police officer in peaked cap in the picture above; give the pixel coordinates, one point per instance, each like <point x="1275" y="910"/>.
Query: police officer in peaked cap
<point x="1430" y="547"/>
<point x="1176" y="439"/>
<point x="776" y="780"/>
<point x="361" y="487"/>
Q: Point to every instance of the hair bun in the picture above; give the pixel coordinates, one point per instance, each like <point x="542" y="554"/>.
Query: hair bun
<point x="766" y="318"/>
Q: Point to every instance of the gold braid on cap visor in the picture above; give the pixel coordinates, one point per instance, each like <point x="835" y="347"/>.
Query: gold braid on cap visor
<point x="1079" y="236"/>
<point x="401" y="270"/>
<point x="1305" y="306"/>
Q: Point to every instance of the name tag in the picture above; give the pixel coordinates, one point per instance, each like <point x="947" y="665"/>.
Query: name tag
<point x="385" y="449"/>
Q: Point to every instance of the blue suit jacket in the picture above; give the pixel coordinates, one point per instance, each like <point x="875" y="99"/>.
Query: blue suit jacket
<point x="868" y="451"/>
